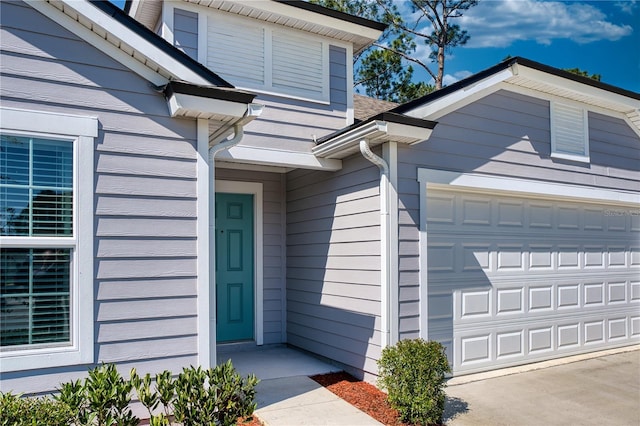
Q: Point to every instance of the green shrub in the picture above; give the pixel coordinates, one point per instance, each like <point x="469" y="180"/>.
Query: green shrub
<point x="413" y="374"/>
<point x="197" y="397"/>
<point x="214" y="396"/>
<point x="17" y="411"/>
<point x="101" y="399"/>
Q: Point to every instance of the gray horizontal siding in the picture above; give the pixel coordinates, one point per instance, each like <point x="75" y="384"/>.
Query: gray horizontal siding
<point x="185" y="32"/>
<point x="505" y="134"/>
<point x="274" y="248"/>
<point x="338" y="77"/>
<point x="145" y="196"/>
<point x="333" y="263"/>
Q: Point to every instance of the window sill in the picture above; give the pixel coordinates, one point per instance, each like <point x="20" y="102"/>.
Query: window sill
<point x="571" y="157"/>
<point x="31" y="359"/>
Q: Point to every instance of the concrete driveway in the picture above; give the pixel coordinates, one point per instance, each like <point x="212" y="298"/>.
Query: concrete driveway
<point x="598" y="391"/>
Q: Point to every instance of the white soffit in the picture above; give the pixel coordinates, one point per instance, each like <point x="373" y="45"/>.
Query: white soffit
<point x="298" y="18"/>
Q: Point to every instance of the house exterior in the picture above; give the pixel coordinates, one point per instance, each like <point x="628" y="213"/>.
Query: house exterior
<point x="188" y="175"/>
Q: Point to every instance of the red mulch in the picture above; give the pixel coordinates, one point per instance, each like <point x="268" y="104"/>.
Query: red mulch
<point x="362" y="395"/>
<point x="253" y="422"/>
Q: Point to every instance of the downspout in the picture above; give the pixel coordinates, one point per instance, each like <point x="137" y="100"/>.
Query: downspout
<point x="237" y="137"/>
<point x="385" y="278"/>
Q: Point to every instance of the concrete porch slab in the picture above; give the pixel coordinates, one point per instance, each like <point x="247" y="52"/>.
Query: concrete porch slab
<point x="276" y="362"/>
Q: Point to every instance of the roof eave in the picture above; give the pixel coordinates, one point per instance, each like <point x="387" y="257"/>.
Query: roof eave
<point x="377" y="130"/>
<point x="523" y="73"/>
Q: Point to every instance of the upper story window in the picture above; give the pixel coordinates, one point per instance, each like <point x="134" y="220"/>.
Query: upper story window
<point x="268" y="58"/>
<point x="46" y="254"/>
<point x="569" y="132"/>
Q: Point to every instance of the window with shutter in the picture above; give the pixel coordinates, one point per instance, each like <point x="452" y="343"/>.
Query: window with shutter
<point x="569" y="132"/>
<point x="46" y="309"/>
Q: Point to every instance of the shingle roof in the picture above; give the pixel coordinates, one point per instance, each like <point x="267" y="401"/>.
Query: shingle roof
<point x="365" y="107"/>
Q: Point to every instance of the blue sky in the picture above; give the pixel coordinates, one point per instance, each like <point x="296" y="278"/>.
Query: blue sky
<point x="600" y="36"/>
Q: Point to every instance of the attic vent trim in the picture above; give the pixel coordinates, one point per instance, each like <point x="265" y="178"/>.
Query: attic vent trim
<point x="569" y="132"/>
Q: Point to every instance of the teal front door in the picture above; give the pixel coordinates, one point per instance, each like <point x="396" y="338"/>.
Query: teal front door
<point x="234" y="267"/>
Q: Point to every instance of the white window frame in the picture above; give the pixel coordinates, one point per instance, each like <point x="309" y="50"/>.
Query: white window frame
<point x="81" y="130"/>
<point x="555" y="153"/>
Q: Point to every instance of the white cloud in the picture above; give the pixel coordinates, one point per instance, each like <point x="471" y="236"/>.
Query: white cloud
<point x="500" y="23"/>
<point x="449" y="79"/>
<point x="627" y="6"/>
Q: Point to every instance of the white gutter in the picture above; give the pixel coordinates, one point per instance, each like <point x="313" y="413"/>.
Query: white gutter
<point x="385" y="278"/>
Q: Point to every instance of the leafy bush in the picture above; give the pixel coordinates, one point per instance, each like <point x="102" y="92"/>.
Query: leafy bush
<point x="197" y="397"/>
<point x="102" y="399"/>
<point x="202" y="397"/>
<point x="17" y="411"/>
<point x="413" y="374"/>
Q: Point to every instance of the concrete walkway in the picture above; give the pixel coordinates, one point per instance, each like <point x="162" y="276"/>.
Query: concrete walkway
<point x="598" y="391"/>
<point x="298" y="400"/>
<point x="286" y="396"/>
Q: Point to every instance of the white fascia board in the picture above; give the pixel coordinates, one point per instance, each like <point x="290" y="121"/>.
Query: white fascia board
<point x="418" y="134"/>
<point x="348" y="139"/>
<point x="556" y="190"/>
<point x="180" y="104"/>
<point x="127" y="36"/>
<point x="278" y="158"/>
<point x="459" y="98"/>
<point x="625" y="102"/>
<point x="134" y="8"/>
<point x="293" y="12"/>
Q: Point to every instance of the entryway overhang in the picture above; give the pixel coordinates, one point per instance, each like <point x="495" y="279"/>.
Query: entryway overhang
<point x="381" y="128"/>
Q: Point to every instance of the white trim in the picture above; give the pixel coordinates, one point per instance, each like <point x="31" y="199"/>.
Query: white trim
<point x="206" y="356"/>
<point x="254" y="188"/>
<point x="82" y="130"/>
<point x="575" y="86"/>
<point x="182" y="104"/>
<point x="523" y="186"/>
<point x="459" y="98"/>
<point x="278" y="158"/>
<point x="553" y="116"/>
<point x="48" y="122"/>
<point x="350" y="111"/>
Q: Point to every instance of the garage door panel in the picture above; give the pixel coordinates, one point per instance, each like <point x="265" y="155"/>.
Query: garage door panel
<point x="473" y="304"/>
<point x="516" y="280"/>
<point x="469" y="254"/>
<point x="514" y="344"/>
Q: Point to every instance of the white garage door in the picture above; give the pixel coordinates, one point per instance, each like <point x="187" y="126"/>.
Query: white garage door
<point x="514" y="280"/>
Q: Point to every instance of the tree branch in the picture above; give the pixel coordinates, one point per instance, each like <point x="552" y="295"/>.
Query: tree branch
<point x="408" y="58"/>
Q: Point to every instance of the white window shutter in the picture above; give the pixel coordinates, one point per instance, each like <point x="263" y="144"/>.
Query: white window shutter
<point x="298" y="65"/>
<point x="569" y="132"/>
<point x="236" y="52"/>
